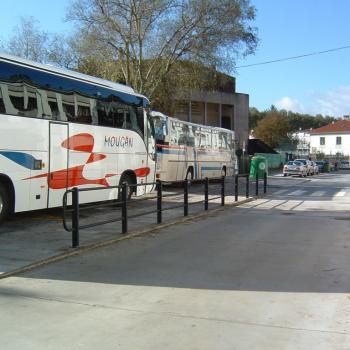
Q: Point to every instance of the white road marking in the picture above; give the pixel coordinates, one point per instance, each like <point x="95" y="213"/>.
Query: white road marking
<point x="273" y="203"/>
<point x="297" y="193"/>
<point x="317" y="194"/>
<point x="290" y="205"/>
<point x="340" y="194"/>
<point x="280" y="191"/>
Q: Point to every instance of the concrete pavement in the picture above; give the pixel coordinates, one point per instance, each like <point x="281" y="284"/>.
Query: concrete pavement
<point x="31" y="239"/>
<point x="240" y="279"/>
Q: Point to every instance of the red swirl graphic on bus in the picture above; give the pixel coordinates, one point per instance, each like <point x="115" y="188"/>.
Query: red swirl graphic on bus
<point x="72" y="177"/>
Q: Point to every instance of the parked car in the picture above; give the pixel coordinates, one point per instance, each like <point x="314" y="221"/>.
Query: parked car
<point x="344" y="164"/>
<point x="307" y="164"/>
<point x="294" y="168"/>
<point x="316" y="168"/>
<point x="321" y="165"/>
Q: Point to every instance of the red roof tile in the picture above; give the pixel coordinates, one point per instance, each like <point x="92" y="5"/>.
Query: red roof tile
<point x="341" y="126"/>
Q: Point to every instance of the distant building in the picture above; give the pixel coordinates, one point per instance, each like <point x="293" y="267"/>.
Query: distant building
<point x="223" y="108"/>
<point x="331" y="140"/>
<point x="302" y="139"/>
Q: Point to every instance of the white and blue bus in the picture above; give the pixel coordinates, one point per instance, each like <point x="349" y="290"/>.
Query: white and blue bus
<point x="61" y="129"/>
<point x="192" y="151"/>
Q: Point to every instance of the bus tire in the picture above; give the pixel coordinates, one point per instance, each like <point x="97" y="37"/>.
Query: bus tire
<point x="223" y="171"/>
<point x="189" y="174"/>
<point x="131" y="189"/>
<point x="4" y="202"/>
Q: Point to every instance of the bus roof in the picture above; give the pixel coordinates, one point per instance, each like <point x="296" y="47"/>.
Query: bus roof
<point x="69" y="73"/>
<point x="159" y="114"/>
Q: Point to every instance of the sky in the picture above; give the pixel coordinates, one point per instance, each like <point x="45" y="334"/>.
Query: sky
<point x="318" y="84"/>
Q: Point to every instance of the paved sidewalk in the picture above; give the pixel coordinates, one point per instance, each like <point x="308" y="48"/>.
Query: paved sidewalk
<point x="32" y="238"/>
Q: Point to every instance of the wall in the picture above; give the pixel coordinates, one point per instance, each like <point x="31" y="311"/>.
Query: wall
<point x="330" y="147"/>
<point x="233" y="108"/>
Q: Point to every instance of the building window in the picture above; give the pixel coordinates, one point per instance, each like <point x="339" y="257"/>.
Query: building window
<point x="322" y="140"/>
<point x="338" y="140"/>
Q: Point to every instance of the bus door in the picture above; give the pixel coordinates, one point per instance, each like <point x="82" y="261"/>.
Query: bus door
<point x="152" y="153"/>
<point x="58" y="163"/>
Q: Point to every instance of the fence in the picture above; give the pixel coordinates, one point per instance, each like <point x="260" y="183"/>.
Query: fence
<point x="76" y="207"/>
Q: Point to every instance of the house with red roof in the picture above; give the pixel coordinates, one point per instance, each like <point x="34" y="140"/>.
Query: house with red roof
<point x="332" y="139"/>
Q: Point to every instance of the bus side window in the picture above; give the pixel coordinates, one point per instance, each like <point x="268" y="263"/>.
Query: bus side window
<point x="190" y="136"/>
<point x="23" y="99"/>
<point x="174" y="134"/>
<point x="209" y="138"/>
<point x="215" y="141"/>
<point x="222" y="140"/>
<point x="2" y="104"/>
<point x="140" y="119"/>
<point x="103" y="116"/>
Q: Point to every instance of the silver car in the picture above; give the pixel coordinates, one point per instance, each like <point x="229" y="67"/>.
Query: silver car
<point x="309" y="167"/>
<point x="315" y="166"/>
<point x="295" y="168"/>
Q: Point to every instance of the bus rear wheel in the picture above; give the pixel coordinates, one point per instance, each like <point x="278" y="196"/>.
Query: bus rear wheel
<point x="189" y="175"/>
<point x="4" y="202"/>
<point x="131" y="189"/>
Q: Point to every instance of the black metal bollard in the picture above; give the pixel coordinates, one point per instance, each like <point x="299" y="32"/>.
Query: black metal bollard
<point x="257" y="184"/>
<point x="206" y="193"/>
<point x="222" y="190"/>
<point x="236" y="188"/>
<point x="75" y="217"/>
<point x="185" y="198"/>
<point x="247" y="187"/>
<point x="265" y="182"/>
<point x="159" y="201"/>
<point x="124" y="208"/>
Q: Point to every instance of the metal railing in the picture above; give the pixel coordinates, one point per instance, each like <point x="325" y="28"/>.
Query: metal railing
<point x="76" y="207"/>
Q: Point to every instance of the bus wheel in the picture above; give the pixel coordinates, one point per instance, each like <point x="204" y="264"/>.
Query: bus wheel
<point x="131" y="189"/>
<point x="189" y="174"/>
<point x="4" y="202"/>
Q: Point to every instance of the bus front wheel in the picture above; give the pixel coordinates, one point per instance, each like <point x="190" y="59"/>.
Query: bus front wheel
<point x="4" y="202"/>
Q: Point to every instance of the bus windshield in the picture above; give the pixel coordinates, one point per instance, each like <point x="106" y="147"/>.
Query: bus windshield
<point x="160" y="128"/>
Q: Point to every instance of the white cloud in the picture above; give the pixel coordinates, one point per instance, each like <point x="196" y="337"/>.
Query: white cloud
<point x="335" y="102"/>
<point x="290" y="104"/>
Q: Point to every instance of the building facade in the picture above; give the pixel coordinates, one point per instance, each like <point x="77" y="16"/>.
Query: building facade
<point x="228" y="110"/>
<point x="331" y="140"/>
<point x="303" y="139"/>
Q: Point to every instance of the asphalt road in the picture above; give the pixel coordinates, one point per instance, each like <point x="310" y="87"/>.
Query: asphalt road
<point x="272" y="274"/>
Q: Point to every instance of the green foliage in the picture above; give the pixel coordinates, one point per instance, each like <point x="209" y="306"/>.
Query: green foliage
<point x="275" y="126"/>
<point x="273" y="129"/>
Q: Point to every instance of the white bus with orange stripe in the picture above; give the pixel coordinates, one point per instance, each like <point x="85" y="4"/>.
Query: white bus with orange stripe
<point x="192" y="151"/>
<point x="61" y="129"/>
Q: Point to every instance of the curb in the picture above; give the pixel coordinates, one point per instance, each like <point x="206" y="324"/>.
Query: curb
<point x="132" y="234"/>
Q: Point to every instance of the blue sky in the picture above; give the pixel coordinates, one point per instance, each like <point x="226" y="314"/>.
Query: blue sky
<point x="315" y="84"/>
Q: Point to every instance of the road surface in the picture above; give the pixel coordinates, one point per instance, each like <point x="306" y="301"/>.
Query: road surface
<point x="272" y="274"/>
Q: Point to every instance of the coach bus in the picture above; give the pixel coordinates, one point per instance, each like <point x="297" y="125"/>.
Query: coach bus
<point x="61" y="129"/>
<point x="192" y="151"/>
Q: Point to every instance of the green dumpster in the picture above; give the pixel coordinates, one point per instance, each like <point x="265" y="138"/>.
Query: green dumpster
<point x="258" y="165"/>
<point x="326" y="167"/>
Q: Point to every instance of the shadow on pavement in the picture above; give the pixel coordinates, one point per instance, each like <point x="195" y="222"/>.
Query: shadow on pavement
<point x="231" y="250"/>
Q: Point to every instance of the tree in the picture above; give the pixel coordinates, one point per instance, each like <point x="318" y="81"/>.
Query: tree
<point x="28" y="41"/>
<point x="273" y="129"/>
<point x="254" y="117"/>
<point x="146" y="39"/>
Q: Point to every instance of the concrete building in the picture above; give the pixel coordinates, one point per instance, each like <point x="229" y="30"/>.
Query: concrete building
<point x="227" y="109"/>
